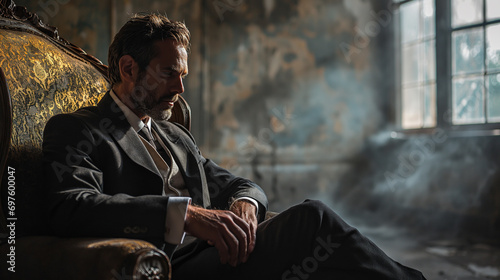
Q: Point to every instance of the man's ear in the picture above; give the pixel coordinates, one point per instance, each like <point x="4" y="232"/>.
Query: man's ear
<point x="128" y="68"/>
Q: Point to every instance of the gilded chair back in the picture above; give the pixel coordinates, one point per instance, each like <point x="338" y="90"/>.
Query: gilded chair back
<point x="44" y="75"/>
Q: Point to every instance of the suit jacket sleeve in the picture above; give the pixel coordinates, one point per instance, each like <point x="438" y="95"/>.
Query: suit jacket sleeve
<point x="73" y="167"/>
<point x="224" y="186"/>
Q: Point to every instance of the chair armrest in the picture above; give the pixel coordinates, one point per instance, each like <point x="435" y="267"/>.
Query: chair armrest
<point x="45" y="257"/>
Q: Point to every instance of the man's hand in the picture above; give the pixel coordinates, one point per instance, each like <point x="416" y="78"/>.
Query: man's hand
<point x="247" y="210"/>
<point x="229" y="233"/>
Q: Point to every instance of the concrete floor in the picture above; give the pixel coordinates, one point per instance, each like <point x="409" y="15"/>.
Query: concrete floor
<point x="437" y="259"/>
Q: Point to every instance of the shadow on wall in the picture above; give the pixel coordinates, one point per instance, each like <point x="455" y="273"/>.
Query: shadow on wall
<point x="441" y="184"/>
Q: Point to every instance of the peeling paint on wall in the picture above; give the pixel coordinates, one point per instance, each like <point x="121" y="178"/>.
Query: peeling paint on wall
<point x="293" y="63"/>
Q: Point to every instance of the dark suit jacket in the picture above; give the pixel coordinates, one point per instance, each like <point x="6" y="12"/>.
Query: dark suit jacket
<point x="102" y="181"/>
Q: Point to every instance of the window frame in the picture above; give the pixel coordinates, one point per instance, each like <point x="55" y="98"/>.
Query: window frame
<point x="444" y="106"/>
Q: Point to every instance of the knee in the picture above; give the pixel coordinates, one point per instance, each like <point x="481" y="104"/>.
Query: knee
<point x="310" y="210"/>
<point x="325" y="215"/>
<point x="315" y="206"/>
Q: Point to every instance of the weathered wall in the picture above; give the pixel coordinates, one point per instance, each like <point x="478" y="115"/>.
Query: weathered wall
<point x="289" y="107"/>
<point x="298" y="96"/>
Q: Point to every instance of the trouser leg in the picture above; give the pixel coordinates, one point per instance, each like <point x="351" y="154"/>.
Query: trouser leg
<point x="307" y="241"/>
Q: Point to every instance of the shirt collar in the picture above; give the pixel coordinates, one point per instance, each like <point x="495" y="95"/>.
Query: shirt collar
<point x="132" y="118"/>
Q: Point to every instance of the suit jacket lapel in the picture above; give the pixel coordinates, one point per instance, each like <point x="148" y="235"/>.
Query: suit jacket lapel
<point x="124" y="134"/>
<point x="172" y="142"/>
<point x="129" y="141"/>
<point x="188" y="164"/>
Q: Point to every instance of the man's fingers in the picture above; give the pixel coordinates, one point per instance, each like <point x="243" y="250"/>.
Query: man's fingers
<point x="233" y="245"/>
<point x="244" y="248"/>
<point x="231" y="235"/>
<point x="239" y="238"/>
<point x="252" y="223"/>
<point x="246" y="210"/>
<point x="253" y="238"/>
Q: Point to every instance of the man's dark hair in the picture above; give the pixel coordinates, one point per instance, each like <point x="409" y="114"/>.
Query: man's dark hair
<point x="137" y="37"/>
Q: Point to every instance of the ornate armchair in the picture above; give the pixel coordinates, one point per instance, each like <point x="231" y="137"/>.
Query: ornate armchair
<point x="42" y="75"/>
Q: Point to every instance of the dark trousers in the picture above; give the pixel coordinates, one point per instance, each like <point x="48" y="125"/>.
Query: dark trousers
<point x="307" y="241"/>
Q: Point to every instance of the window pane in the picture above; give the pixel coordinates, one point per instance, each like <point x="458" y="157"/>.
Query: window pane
<point x="412" y="109"/>
<point x="493" y="47"/>
<point x="492" y="9"/>
<point x="468" y="105"/>
<point x="428" y="61"/>
<point x="430" y="105"/>
<point x="466" y="12"/>
<point x="429" y="18"/>
<point x="410" y="62"/>
<point x="493" y="86"/>
<point x="410" y="14"/>
<point x="467" y="51"/>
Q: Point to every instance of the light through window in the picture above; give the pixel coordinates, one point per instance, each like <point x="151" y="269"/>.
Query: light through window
<point x="465" y="46"/>
<point x="475" y="61"/>
<point x="418" y="64"/>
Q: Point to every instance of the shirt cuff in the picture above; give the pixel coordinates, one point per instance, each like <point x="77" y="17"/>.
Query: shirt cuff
<point x="176" y="217"/>
<point x="249" y="199"/>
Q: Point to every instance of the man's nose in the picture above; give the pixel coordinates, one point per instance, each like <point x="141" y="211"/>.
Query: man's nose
<point x="178" y="86"/>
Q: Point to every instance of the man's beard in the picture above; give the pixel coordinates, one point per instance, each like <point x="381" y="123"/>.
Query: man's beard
<point x="145" y="103"/>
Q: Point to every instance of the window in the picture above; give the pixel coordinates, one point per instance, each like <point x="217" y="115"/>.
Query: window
<point x="449" y="63"/>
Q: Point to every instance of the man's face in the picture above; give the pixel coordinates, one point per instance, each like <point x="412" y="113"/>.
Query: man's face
<point x="158" y="87"/>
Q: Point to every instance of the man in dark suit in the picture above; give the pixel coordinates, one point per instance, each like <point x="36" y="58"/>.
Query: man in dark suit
<point x="120" y="169"/>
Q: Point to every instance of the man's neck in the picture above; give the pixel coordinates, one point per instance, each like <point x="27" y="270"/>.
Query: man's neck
<point x="124" y="97"/>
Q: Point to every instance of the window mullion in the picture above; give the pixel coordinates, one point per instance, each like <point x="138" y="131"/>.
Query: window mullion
<point x="398" y="66"/>
<point x="443" y="63"/>
<point x="485" y="73"/>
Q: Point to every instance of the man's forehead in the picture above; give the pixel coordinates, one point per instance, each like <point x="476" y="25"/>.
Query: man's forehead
<point x="170" y="46"/>
<point x="171" y="54"/>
